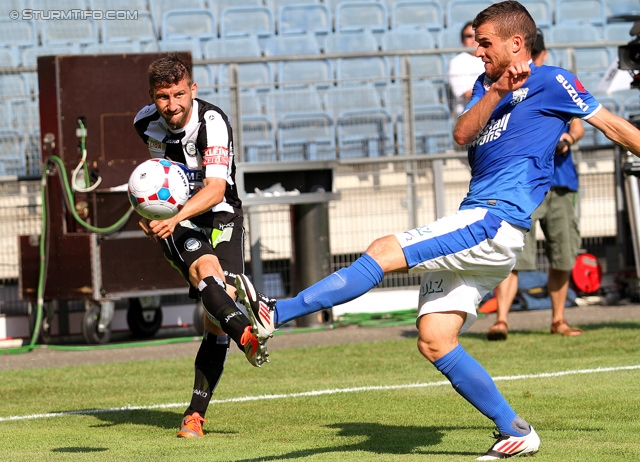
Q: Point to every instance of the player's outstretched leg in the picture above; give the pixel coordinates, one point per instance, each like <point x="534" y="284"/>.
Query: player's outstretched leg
<point x="260" y="309"/>
<point x="507" y="446"/>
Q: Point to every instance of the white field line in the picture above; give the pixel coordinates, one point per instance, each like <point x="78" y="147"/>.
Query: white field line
<point x="319" y="393"/>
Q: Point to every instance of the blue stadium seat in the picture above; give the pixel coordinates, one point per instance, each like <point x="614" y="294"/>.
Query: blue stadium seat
<point x="9" y="57"/>
<point x="7" y="122"/>
<point x="220" y="5"/>
<point x="112" y="48"/>
<point x="618" y="31"/>
<point x="17" y="33"/>
<point x="13" y="86"/>
<point x="581" y="12"/>
<point x="203" y="76"/>
<point x="461" y="11"/>
<point x="622" y="7"/>
<point x="592" y="60"/>
<point x="422" y="66"/>
<point x="305" y="129"/>
<point x="258" y="134"/>
<point x="449" y="37"/>
<point x="30" y="55"/>
<point x="361" y="16"/>
<point x="364" y="127"/>
<point x="25" y="112"/>
<point x="541" y="11"/>
<point x="12" y="153"/>
<point x="351" y="43"/>
<point x="159" y="7"/>
<point x="183" y="24"/>
<point x="573" y="33"/>
<point x="64" y="32"/>
<point x="191" y="45"/>
<point x="417" y="14"/>
<point x="305" y="18"/>
<point x="260" y="75"/>
<point x="141" y="30"/>
<point x="243" y="21"/>
<point x="317" y="73"/>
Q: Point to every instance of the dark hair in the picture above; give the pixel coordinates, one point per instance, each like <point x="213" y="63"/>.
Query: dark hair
<point x="470" y="23"/>
<point x="509" y="18"/>
<point x="169" y="70"/>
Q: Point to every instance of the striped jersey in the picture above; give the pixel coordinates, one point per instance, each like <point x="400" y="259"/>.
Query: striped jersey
<point x="203" y="147"/>
<point x="512" y="158"/>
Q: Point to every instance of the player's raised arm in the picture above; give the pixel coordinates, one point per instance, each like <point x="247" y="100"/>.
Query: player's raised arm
<point x="617" y="130"/>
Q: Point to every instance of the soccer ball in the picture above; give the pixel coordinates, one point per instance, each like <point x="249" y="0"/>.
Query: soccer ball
<point x="158" y="189"/>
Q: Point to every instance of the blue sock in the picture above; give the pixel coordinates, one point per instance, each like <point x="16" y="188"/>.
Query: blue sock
<point x="340" y="287"/>
<point x="475" y="385"/>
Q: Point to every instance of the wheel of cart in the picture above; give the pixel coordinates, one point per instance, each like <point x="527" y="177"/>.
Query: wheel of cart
<point x="144" y="316"/>
<point x="96" y="324"/>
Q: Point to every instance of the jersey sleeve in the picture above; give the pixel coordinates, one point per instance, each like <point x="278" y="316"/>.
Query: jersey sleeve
<point x="215" y="145"/>
<point x="141" y="122"/>
<point x="567" y="97"/>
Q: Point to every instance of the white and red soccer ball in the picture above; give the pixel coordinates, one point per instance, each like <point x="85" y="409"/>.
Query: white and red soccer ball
<point x="158" y="189"/>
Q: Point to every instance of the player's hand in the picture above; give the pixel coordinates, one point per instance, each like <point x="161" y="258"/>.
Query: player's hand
<point x="513" y="78"/>
<point x="144" y="224"/>
<point x="162" y="228"/>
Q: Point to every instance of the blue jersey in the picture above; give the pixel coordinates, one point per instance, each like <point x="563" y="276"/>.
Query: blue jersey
<point x="512" y="158"/>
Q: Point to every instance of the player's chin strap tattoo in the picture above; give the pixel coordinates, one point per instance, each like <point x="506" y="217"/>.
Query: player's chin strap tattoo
<point x="219" y="305"/>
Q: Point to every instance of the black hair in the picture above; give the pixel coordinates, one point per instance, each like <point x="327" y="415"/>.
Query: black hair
<point x="169" y="70"/>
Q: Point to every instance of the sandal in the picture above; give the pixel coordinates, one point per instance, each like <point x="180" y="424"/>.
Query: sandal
<point x="562" y="327"/>
<point x="498" y="331"/>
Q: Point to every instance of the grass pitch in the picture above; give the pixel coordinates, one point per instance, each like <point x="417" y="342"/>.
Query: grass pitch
<point x="356" y="402"/>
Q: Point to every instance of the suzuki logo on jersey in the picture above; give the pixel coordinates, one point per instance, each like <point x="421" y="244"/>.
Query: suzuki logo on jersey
<point x="573" y="93"/>
<point x="492" y="130"/>
<point x="519" y="95"/>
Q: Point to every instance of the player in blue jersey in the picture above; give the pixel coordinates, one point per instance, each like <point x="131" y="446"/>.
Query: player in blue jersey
<point x="512" y="124"/>
<point x="559" y="224"/>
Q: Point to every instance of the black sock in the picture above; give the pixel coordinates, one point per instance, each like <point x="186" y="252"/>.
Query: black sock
<point x="209" y="365"/>
<point x="220" y="305"/>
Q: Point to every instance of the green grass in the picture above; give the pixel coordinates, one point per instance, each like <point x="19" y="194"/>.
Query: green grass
<point x="580" y="417"/>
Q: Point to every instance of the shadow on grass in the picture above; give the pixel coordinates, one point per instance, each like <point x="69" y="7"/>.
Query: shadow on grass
<point x="153" y="417"/>
<point x="380" y="439"/>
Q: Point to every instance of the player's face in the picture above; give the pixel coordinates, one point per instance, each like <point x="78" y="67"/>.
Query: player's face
<point x="175" y="102"/>
<point x="494" y="51"/>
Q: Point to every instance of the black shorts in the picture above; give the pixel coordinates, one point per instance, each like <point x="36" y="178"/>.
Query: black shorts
<point x="225" y="240"/>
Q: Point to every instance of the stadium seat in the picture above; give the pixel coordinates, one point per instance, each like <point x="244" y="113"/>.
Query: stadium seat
<point x="461" y="11"/>
<point x="159" y="7"/>
<point x="581" y="12"/>
<point x="17" y="33"/>
<point x="573" y="33"/>
<point x="361" y="16"/>
<point x="312" y="18"/>
<point x="422" y="66"/>
<point x="203" y="76"/>
<point x="618" y="31"/>
<point x="243" y="21"/>
<point x="7" y="122"/>
<point x="191" y="45"/>
<point x="13" y="86"/>
<point x="541" y="11"/>
<point x="30" y="55"/>
<point x="257" y="75"/>
<point x="277" y="4"/>
<point x="417" y="14"/>
<point x="12" y="154"/>
<point x="593" y="60"/>
<point x="112" y="48"/>
<point x="364" y="127"/>
<point x="183" y="24"/>
<point x="317" y="73"/>
<point x="7" y="6"/>
<point x="220" y="5"/>
<point x="9" y="57"/>
<point x="351" y="43"/>
<point x="622" y="7"/>
<point x="25" y="112"/>
<point x="258" y="134"/>
<point x="141" y="30"/>
<point x="65" y="32"/>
